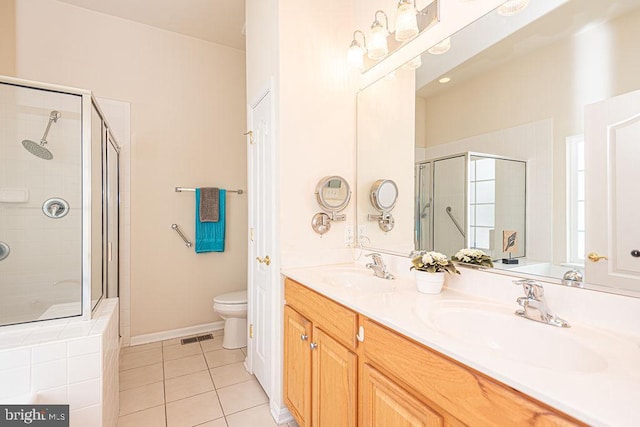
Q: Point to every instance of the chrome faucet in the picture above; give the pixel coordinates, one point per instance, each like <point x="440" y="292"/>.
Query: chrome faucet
<point x="378" y="266"/>
<point x="534" y="305"/>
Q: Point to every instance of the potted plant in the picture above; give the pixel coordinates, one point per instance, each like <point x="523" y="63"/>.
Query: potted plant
<point x="473" y="257"/>
<point x="430" y="268"/>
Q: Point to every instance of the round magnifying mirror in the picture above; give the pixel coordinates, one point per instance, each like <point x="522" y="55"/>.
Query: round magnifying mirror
<point x="384" y="194"/>
<point x="333" y="193"/>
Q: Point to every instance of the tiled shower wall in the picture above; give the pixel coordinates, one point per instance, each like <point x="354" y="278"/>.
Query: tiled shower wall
<point x="44" y="266"/>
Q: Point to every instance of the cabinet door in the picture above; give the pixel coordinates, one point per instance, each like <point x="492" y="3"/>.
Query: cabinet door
<point x="384" y="403"/>
<point x="297" y="366"/>
<point x="334" y="382"/>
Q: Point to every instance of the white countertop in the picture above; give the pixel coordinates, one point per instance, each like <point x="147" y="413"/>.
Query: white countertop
<point x="599" y="386"/>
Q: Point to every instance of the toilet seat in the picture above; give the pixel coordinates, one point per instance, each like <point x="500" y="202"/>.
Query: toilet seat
<point x="231" y="298"/>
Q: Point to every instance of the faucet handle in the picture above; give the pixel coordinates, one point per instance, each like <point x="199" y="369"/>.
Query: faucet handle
<point x="532" y="289"/>
<point x="377" y="258"/>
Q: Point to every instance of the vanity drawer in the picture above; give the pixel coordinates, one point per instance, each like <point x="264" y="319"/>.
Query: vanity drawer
<point x="465" y="394"/>
<point x="335" y="319"/>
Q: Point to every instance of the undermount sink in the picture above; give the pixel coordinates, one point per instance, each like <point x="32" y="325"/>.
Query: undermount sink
<point x="357" y="279"/>
<point x="495" y="328"/>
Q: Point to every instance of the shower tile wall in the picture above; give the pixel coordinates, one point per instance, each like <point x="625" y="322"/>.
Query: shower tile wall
<point x="44" y="266"/>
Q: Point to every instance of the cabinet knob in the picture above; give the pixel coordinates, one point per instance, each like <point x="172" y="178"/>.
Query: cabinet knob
<point x="304" y="337"/>
<point x="595" y="257"/>
<point x="313" y="345"/>
<point x="635" y="253"/>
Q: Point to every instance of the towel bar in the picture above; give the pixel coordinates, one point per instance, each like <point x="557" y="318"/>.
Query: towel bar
<point x="187" y="242"/>
<point x="180" y="189"/>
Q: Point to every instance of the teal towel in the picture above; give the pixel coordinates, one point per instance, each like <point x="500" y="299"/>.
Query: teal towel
<point x="210" y="235"/>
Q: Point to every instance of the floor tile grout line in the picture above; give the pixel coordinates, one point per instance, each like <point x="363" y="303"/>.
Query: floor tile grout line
<point x="218" y="397"/>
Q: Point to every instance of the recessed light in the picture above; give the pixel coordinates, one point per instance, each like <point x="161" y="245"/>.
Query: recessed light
<point x="445" y="80"/>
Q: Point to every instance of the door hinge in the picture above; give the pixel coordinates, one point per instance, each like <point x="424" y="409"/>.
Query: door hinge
<point x="250" y="134"/>
<point x="251" y="330"/>
<point x="251" y="233"/>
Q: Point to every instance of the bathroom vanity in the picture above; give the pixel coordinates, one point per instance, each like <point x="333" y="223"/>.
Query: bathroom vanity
<point x="366" y="351"/>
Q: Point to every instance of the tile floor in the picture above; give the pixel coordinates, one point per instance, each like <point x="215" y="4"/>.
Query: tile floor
<point x="166" y="384"/>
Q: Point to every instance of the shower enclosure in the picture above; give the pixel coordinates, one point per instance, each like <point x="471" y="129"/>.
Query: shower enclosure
<point x="58" y="203"/>
<point x="469" y="200"/>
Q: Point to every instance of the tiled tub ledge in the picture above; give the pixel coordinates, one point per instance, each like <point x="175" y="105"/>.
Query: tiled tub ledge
<point x="65" y="361"/>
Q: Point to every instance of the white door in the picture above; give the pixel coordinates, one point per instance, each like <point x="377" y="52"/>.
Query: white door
<point x="612" y="156"/>
<point x="263" y="269"/>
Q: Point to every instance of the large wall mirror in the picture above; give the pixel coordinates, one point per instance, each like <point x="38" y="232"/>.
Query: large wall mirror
<point x="517" y="88"/>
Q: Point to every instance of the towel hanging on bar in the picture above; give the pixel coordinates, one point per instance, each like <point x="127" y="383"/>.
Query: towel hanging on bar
<point x="209" y="204"/>
<point x="210" y="235"/>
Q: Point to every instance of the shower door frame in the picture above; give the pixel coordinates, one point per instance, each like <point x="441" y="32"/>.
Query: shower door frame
<point x="87" y="99"/>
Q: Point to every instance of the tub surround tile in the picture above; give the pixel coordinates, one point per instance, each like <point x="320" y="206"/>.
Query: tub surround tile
<point x="49" y="352"/>
<point x="194" y="410"/>
<point x="84" y="394"/>
<point x="83" y="368"/>
<point x="12" y="359"/>
<point x="49" y="375"/>
<point x="141" y="376"/>
<point x="80" y="347"/>
<point x="143" y="397"/>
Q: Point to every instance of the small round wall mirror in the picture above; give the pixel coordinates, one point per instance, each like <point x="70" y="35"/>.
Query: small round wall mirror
<point x="333" y="194"/>
<point x="384" y="194"/>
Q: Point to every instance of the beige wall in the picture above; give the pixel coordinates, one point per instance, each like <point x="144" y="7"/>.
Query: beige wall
<point x="565" y="76"/>
<point x="7" y="38"/>
<point x="187" y="118"/>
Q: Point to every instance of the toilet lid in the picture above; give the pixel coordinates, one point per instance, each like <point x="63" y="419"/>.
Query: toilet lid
<point x="239" y="297"/>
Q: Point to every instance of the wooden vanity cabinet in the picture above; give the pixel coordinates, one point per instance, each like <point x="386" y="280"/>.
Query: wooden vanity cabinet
<point x="320" y="361"/>
<point x="407" y="377"/>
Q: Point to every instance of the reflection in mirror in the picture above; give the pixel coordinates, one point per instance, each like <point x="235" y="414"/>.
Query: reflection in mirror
<point x="471" y="200"/>
<point x="520" y="96"/>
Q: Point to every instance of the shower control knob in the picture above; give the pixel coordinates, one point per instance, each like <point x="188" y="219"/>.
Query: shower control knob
<point x="635" y="253"/>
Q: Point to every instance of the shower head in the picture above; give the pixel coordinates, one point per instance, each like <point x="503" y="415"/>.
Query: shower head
<point x="39" y="150"/>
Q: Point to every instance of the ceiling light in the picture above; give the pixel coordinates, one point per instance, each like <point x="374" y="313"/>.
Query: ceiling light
<point x="378" y="47"/>
<point x="445" y="80"/>
<point x="512" y="7"/>
<point x="441" y="47"/>
<point x="414" y="64"/>
<point x="406" y="20"/>
<point x="355" y="54"/>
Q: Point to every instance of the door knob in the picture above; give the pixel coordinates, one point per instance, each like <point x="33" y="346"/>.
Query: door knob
<point x="595" y="257"/>
<point x="265" y="260"/>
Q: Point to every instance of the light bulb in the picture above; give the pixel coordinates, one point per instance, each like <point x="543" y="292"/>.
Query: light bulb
<point x="414" y="64"/>
<point x="406" y="21"/>
<point x="355" y="56"/>
<point x="512" y="7"/>
<point x="441" y="47"/>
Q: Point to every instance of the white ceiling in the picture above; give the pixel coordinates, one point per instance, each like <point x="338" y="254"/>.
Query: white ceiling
<point x="217" y="21"/>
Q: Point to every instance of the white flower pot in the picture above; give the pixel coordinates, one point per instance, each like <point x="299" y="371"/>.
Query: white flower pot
<point x="429" y="283"/>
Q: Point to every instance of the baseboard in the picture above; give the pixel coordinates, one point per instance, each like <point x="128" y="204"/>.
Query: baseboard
<point x="281" y="415"/>
<point x="176" y="333"/>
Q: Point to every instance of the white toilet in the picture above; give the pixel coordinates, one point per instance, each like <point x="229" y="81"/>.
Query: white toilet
<point x="232" y="307"/>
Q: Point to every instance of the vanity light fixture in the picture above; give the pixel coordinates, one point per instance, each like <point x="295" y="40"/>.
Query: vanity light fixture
<point x="355" y="55"/>
<point x="512" y="7"/>
<point x="378" y="47"/>
<point x="440" y="48"/>
<point x="414" y="64"/>
<point x="406" y="20"/>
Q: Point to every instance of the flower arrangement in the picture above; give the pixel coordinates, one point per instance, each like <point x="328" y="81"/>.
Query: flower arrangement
<point x="473" y="256"/>
<point x="433" y="262"/>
